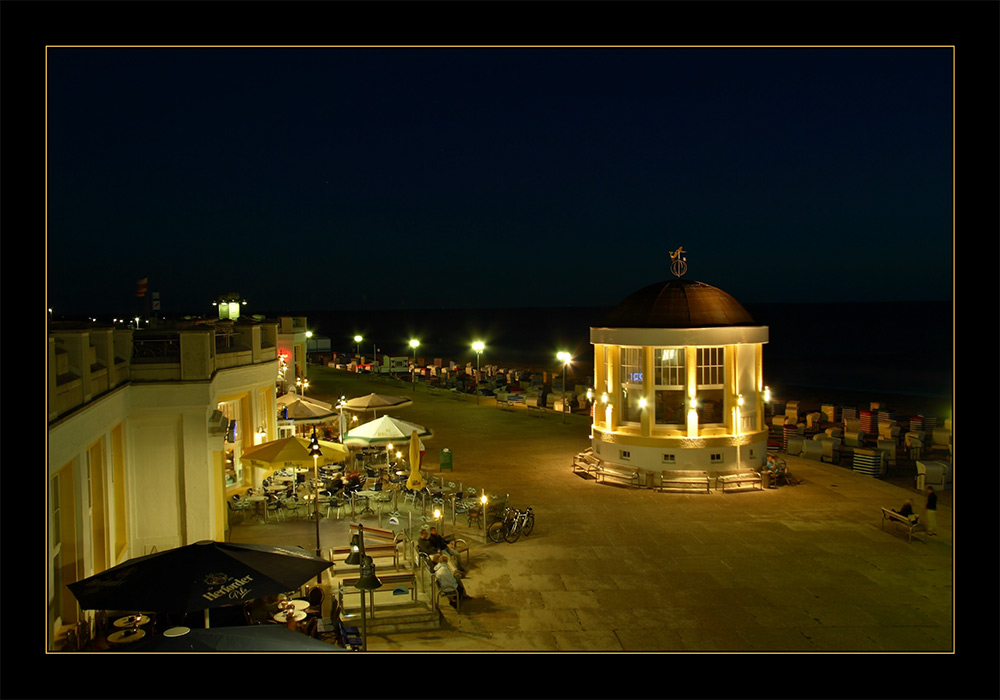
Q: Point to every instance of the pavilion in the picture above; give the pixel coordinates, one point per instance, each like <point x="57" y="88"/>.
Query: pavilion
<point x="678" y="370"/>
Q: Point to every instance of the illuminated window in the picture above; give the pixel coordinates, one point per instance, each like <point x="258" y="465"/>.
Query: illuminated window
<point x="711" y="368"/>
<point x="630" y="368"/>
<point x="711" y="375"/>
<point x="669" y="379"/>
<point x="234" y="441"/>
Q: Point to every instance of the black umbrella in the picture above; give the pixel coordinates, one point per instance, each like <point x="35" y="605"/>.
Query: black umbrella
<point x="245" y="638"/>
<point x="198" y="576"/>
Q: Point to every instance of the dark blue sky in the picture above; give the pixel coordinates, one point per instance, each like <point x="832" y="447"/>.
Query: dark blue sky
<point x="408" y="178"/>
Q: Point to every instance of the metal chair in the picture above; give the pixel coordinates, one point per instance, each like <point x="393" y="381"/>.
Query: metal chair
<point x="273" y="505"/>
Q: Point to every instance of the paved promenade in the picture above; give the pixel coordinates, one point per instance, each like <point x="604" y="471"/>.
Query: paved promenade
<point x="802" y="568"/>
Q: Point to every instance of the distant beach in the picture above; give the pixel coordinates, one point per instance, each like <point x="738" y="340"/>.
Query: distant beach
<point x="851" y="354"/>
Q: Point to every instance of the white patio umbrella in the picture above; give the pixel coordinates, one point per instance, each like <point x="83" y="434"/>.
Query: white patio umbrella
<point x="373" y="402"/>
<point x="303" y="410"/>
<point x="385" y="430"/>
<point x="286" y="399"/>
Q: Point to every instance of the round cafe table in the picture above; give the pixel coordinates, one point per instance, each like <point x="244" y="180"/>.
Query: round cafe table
<point x="297" y="616"/>
<point x="257" y="500"/>
<point x="298" y="604"/>
<point x="130" y="620"/>
<point x="126" y="636"/>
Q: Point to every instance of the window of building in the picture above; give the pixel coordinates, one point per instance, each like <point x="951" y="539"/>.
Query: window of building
<point x="624" y="455"/>
<point x="233" y="410"/>
<point x="711" y="375"/>
<point x="716" y="458"/>
<point x="669" y="379"/>
<point x="711" y="368"/>
<point x="630" y="366"/>
<point x="669" y="459"/>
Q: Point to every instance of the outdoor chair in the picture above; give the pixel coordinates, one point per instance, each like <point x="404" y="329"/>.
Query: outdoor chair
<point x="274" y="506"/>
<point x="293" y="505"/>
<point x="315" y="598"/>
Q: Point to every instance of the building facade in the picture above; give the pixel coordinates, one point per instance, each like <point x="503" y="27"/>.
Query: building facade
<point x="678" y="373"/>
<point x="145" y="433"/>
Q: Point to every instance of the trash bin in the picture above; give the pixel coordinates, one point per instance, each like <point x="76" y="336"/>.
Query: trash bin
<point x="765" y="480"/>
<point x="445" y="460"/>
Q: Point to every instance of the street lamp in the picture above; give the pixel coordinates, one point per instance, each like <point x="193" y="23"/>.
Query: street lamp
<point x="414" y="343"/>
<point x="316" y="453"/>
<point x="478" y="347"/>
<point x="565" y="357"/>
<point x="302" y="384"/>
<point x="357" y="346"/>
<point x="367" y="581"/>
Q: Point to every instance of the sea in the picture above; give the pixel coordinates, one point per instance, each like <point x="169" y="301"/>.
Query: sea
<point x="900" y="349"/>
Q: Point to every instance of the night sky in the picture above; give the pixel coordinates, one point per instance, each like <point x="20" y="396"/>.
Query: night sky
<point x="354" y="178"/>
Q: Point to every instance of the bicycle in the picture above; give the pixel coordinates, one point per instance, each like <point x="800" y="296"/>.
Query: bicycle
<point x="499" y="525"/>
<point x="522" y="524"/>
<point x="511" y="525"/>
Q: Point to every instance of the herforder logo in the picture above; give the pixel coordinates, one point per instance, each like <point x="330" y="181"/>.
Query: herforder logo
<point x="235" y="588"/>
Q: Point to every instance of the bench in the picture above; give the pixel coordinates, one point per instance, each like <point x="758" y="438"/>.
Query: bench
<point x="504" y="405"/>
<point x="337" y="554"/>
<point x="627" y="475"/>
<point x="389" y="582"/>
<point x="684" y="480"/>
<point x="911" y="525"/>
<point x="738" y="479"/>
<point x="537" y="411"/>
<point x="379" y="534"/>
<point x="587" y="463"/>
<point x="455" y="544"/>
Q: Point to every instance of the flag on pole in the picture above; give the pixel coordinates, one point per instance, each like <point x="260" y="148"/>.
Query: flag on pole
<point x="140" y="287"/>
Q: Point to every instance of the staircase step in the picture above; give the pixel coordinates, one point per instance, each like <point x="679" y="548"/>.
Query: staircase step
<point x="408" y="618"/>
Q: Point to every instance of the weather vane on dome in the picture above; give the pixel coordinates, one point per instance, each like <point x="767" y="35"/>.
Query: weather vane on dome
<point x="678" y="264"/>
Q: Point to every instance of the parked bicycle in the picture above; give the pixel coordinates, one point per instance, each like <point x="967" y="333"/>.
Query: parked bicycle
<point x="511" y="525"/>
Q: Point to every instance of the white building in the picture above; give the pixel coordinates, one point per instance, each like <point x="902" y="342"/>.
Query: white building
<point x="145" y="432"/>
<point x="679" y="381"/>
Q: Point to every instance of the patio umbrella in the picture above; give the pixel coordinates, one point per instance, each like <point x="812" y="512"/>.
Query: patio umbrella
<point x="286" y="399"/>
<point x="292" y="452"/>
<point x="384" y="430"/>
<point x="373" y="402"/>
<point x="223" y="639"/>
<point x="415" y="481"/>
<point x="198" y="576"/>
<point x="302" y="410"/>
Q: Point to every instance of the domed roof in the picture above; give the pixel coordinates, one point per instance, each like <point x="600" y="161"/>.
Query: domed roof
<point x="678" y="303"/>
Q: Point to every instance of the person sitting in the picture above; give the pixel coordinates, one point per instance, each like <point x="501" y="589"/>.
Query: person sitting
<point x="779" y="470"/>
<point x="353" y="483"/>
<point x="446" y="579"/>
<point x="425" y="546"/>
<point x="907" y="510"/>
<point x="442" y="545"/>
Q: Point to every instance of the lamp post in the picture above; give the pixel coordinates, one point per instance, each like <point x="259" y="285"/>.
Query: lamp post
<point x="367" y="581"/>
<point x="302" y="384"/>
<point x="414" y="343"/>
<point x="565" y="357"/>
<point x="478" y="347"/>
<point x="357" y="346"/>
<point x="316" y="453"/>
<point x="482" y="518"/>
